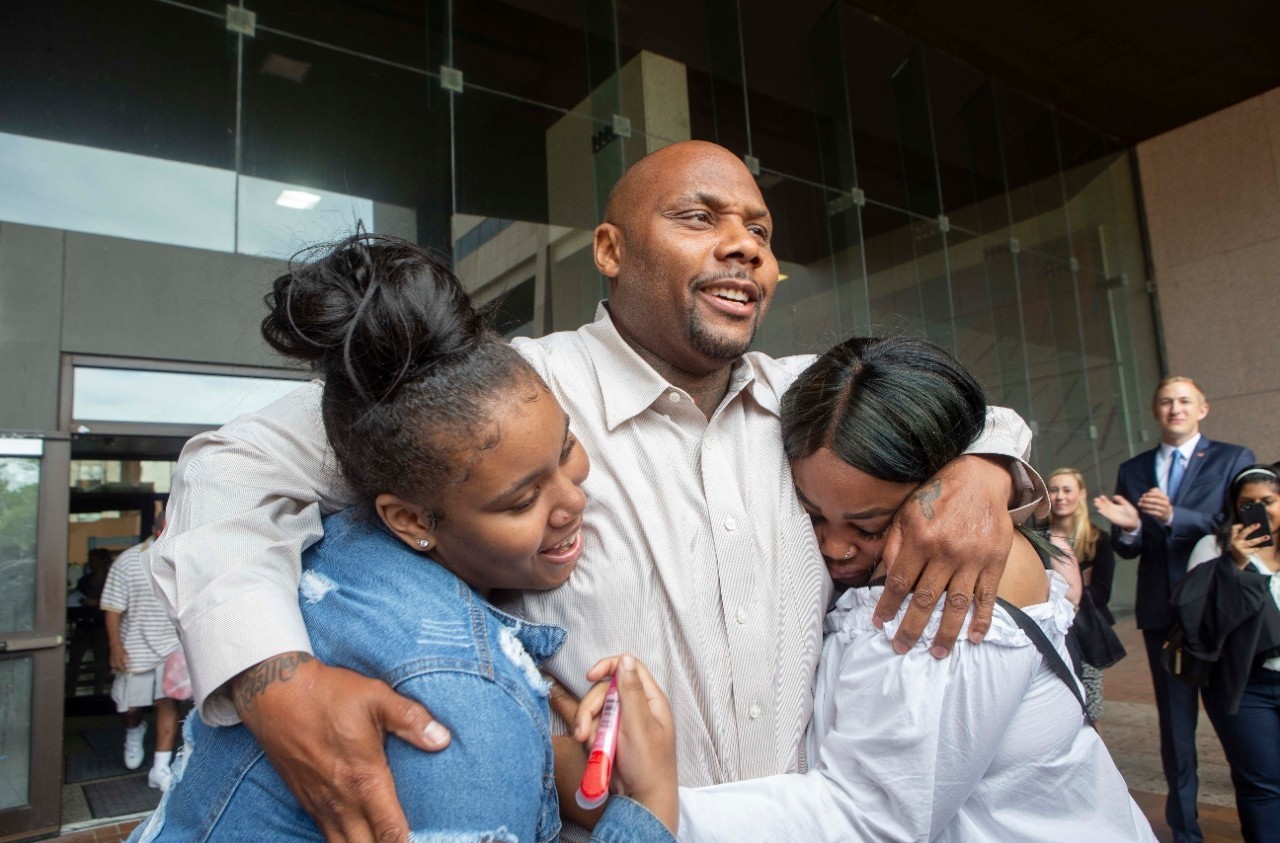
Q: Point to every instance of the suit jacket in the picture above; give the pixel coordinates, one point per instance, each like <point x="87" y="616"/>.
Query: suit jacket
<point x="1197" y="509"/>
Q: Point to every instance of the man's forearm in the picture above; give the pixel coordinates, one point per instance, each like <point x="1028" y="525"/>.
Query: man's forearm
<point x="254" y="682"/>
<point x="112" y="620"/>
<point x="1006" y="438"/>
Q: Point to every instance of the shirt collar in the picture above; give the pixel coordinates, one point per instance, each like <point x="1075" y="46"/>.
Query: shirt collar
<point x="629" y="385"/>
<point x="1186" y="449"/>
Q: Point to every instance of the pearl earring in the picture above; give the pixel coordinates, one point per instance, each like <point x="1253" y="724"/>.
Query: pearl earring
<point x="424" y="543"/>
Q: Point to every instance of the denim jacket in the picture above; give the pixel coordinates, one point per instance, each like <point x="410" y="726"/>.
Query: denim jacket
<point x="374" y="606"/>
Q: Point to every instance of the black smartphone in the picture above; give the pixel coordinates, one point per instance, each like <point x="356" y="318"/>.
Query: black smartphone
<point x="1253" y="512"/>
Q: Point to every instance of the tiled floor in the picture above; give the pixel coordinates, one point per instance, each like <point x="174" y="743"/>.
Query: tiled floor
<point x="1128" y="726"/>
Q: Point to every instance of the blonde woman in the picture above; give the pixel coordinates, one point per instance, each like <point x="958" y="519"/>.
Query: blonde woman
<point x="1069" y="520"/>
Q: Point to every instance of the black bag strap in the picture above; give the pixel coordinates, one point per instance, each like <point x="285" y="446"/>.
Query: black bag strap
<point x="1052" y="656"/>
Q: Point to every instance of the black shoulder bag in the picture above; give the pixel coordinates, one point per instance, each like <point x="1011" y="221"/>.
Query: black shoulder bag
<point x="1052" y="656"/>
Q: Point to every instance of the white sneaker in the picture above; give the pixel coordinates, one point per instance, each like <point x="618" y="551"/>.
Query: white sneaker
<point x="133" y="751"/>
<point x="160" y="777"/>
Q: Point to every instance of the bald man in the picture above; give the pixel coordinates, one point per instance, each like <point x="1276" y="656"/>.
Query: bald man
<point x="698" y="557"/>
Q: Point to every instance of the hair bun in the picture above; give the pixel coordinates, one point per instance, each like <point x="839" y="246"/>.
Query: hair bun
<point x="372" y="311"/>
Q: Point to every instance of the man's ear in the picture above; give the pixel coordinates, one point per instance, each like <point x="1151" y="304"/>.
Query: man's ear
<point x="607" y="249"/>
<point x="410" y="522"/>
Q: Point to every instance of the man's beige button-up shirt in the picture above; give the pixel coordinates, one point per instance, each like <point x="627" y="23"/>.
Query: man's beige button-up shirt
<point x="698" y="557"/>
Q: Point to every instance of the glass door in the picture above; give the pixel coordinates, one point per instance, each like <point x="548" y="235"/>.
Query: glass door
<point x="33" y="514"/>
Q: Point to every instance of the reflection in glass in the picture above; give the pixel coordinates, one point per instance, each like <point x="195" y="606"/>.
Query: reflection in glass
<point x="15" y="731"/>
<point x="814" y="306"/>
<point x="79" y="188"/>
<point x="889" y="111"/>
<point x="275" y="219"/>
<point x="133" y="395"/>
<point x="19" y="493"/>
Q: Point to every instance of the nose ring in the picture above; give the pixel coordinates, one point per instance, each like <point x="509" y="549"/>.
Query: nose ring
<point x="849" y="553"/>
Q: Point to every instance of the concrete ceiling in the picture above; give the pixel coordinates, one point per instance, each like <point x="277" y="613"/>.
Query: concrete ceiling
<point x="1134" y="69"/>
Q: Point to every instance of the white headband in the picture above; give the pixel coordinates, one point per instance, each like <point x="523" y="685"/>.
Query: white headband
<point x="1268" y="472"/>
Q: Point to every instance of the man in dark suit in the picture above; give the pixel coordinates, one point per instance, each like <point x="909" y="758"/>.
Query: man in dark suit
<point x="1166" y="500"/>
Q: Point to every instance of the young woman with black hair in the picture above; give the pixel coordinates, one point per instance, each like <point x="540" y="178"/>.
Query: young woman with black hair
<point x="989" y="744"/>
<point x="470" y="481"/>
<point x="1234" y="600"/>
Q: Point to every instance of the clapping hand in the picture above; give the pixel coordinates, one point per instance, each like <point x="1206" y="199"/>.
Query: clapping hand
<point x="1157" y="504"/>
<point x="1118" y="511"/>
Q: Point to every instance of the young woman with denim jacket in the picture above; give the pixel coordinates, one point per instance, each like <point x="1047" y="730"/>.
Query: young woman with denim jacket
<point x="471" y="481"/>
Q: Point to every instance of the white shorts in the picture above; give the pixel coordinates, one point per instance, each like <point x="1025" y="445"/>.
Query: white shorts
<point x="138" y="690"/>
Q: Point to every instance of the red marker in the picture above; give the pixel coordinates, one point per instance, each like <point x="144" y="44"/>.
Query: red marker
<point x="594" y="789"/>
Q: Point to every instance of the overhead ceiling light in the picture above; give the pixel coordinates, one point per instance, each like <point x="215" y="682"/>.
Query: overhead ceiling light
<point x="299" y="199"/>
<point x="285" y="68"/>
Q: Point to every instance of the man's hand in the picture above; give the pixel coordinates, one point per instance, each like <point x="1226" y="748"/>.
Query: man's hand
<point x="953" y="534"/>
<point x="1156" y="504"/>
<point x="324" y="729"/>
<point x="1118" y="511"/>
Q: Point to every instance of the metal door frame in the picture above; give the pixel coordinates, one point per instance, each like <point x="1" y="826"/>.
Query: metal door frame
<point x="45" y="646"/>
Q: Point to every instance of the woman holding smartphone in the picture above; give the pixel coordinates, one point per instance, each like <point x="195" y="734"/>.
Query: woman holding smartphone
<point x="1241" y="591"/>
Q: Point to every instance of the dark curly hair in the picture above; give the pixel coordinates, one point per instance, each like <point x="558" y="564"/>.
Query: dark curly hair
<point x="411" y="368"/>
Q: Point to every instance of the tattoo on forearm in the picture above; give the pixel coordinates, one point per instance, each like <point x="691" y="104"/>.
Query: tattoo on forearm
<point x="255" y="681"/>
<point x="926" y="495"/>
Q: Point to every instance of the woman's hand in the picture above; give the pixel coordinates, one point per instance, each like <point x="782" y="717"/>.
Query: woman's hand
<point x="1068" y="569"/>
<point x="645" y="766"/>
<point x="571" y="756"/>
<point x="1245" y="540"/>
<point x="324" y="730"/>
<point x="952" y="535"/>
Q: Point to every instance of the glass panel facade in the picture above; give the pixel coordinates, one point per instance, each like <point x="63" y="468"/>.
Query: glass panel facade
<point x="19" y="493"/>
<point x="15" y="731"/>
<point x="911" y="192"/>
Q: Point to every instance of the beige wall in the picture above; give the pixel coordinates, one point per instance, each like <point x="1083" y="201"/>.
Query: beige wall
<point x="1212" y="192"/>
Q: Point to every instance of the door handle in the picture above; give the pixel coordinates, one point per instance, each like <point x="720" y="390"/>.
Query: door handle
<point x="21" y="644"/>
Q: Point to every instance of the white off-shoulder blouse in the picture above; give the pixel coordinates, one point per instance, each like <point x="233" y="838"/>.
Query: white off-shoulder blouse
<point x="988" y="744"/>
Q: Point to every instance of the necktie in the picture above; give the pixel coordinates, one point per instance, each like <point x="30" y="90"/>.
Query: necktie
<point x="1175" y="474"/>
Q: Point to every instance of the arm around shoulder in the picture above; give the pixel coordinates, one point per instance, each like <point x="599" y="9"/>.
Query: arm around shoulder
<point x="245" y="501"/>
<point x="1007" y="435"/>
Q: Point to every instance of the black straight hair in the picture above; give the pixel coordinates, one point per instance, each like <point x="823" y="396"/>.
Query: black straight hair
<point x="897" y="408"/>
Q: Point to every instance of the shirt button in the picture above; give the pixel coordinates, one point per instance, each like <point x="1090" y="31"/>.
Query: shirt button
<point x="674" y="397"/>
<point x="754" y="712"/>
<point x="742" y="615"/>
<point x="730" y="524"/>
<point x="710" y="442"/>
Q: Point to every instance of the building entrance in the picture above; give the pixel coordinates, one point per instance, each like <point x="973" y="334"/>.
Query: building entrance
<point x="119" y="485"/>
